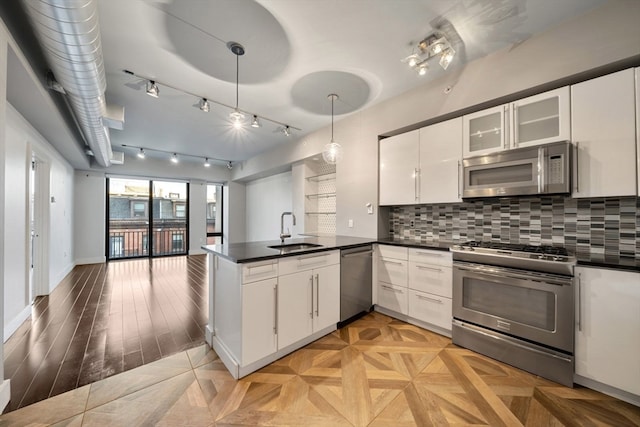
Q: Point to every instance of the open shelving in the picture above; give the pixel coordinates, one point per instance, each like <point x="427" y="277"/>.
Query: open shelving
<point x="320" y="198"/>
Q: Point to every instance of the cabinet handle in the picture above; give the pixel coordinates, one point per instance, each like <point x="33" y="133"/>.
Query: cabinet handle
<point x="515" y="126"/>
<point x="439" y="301"/>
<point x="577" y="166"/>
<point x="459" y="166"/>
<point x="429" y="254"/>
<point x="392" y="262"/>
<point x="389" y="288"/>
<point x="541" y="168"/>
<point x="275" y="309"/>
<point x="317" y="295"/>
<point x="424" y="267"/>
<point x="506" y="127"/>
<point x="311" y="283"/>
<point x="416" y="171"/>
<point x="579" y="302"/>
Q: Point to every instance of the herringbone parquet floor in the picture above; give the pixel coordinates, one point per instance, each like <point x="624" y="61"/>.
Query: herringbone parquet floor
<point x="375" y="372"/>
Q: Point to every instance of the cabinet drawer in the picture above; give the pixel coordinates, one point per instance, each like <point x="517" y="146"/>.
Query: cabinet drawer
<point x="259" y="271"/>
<point x="397" y="252"/>
<point x="307" y="262"/>
<point x="430" y="256"/>
<point x="430" y="308"/>
<point x="393" y="297"/>
<point x="393" y="271"/>
<point x="434" y="279"/>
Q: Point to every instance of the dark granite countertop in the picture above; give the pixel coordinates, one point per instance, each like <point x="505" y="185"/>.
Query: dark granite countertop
<point x="410" y="243"/>
<point x="260" y="251"/>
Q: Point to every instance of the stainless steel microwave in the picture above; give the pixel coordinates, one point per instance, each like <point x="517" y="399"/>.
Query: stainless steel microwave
<point x="540" y="169"/>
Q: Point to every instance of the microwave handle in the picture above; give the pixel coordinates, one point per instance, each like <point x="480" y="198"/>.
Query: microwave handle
<point x="505" y="133"/>
<point x="541" y="169"/>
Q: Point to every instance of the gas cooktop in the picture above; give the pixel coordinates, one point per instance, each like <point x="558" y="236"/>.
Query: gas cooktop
<point x="545" y="258"/>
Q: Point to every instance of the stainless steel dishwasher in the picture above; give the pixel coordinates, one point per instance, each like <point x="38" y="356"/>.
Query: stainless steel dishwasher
<point x="355" y="282"/>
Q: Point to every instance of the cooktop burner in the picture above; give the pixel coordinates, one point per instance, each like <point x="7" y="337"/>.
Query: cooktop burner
<point x="544" y="258"/>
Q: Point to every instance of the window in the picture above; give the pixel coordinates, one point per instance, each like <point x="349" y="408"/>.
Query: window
<point x="177" y="242"/>
<point x="116" y="246"/>
<point x="214" y="214"/>
<point x="139" y="209"/>
<point x="180" y="211"/>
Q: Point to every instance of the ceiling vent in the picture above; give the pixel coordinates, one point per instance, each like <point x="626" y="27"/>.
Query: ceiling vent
<point x="117" y="157"/>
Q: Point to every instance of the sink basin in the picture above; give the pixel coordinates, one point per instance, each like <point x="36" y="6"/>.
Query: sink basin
<point x="290" y="247"/>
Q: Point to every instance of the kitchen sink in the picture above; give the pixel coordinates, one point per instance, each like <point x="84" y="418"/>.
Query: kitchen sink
<point x="290" y="247"/>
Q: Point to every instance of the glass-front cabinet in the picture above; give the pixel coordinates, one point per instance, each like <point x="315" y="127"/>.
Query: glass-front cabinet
<point x="535" y="120"/>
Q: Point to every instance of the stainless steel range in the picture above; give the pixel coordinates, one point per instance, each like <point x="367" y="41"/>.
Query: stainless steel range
<point x="515" y="303"/>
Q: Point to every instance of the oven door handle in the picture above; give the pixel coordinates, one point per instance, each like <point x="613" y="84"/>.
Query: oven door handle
<point x="501" y="273"/>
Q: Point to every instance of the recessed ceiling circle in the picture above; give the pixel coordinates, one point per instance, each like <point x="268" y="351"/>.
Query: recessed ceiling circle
<point x="310" y="92"/>
<point x="236" y="48"/>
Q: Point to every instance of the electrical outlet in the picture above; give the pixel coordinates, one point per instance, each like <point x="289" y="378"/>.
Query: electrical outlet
<point x="412" y="223"/>
<point x="350" y="223"/>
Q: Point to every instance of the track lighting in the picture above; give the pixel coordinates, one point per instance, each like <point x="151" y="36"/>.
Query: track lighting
<point x="206" y="162"/>
<point x="431" y="46"/>
<point x="237" y="116"/>
<point x="332" y="152"/>
<point x="174" y="158"/>
<point x="229" y="165"/>
<point x="204" y="105"/>
<point x="153" y="89"/>
<point x="141" y="153"/>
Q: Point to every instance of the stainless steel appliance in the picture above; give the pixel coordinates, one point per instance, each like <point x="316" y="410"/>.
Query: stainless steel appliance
<point x="355" y="281"/>
<point x="542" y="169"/>
<point x="515" y="303"/>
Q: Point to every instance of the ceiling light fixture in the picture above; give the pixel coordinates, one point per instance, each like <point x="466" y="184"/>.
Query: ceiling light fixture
<point x="332" y="152"/>
<point x="431" y="46"/>
<point x="237" y="118"/>
<point x="204" y="105"/>
<point x="287" y="131"/>
<point x="174" y="158"/>
<point x="206" y="162"/>
<point x="153" y="89"/>
<point x="229" y="165"/>
<point x="141" y="153"/>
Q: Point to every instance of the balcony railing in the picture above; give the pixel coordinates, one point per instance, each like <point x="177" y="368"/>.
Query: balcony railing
<point x="130" y="238"/>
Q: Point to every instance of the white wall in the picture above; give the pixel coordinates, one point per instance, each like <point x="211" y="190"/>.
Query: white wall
<point x="605" y="35"/>
<point x="57" y="236"/>
<point x="89" y="213"/>
<point x="5" y="390"/>
<point x="267" y="198"/>
<point x="233" y="228"/>
<point x="197" y="216"/>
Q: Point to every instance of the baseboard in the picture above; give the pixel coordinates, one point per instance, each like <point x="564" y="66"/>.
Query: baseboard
<point x="93" y="260"/>
<point x="5" y="394"/>
<point x="60" y="277"/>
<point x="634" y="399"/>
<point x="14" y="324"/>
<point x="197" y="252"/>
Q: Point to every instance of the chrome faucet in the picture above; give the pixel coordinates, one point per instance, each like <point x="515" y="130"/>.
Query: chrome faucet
<point x="284" y="235"/>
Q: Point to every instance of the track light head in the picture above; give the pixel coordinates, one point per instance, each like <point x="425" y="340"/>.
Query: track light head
<point x="204" y="105"/>
<point x="255" y="123"/>
<point x="287" y="131"/>
<point x="229" y="165"/>
<point x="152" y="89"/>
<point x="174" y="158"/>
<point x="206" y="162"/>
<point x="141" y="153"/>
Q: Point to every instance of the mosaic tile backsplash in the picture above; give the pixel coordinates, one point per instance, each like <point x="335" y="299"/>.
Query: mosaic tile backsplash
<point x="603" y="230"/>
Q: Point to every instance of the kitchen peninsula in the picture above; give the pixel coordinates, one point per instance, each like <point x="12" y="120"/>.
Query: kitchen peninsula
<point x="267" y="299"/>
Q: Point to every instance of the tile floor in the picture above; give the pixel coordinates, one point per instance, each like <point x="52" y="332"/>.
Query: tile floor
<point x="376" y="371"/>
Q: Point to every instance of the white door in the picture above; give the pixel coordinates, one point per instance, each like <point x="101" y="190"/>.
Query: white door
<point x="295" y="314"/>
<point x="326" y="310"/>
<point x="440" y="161"/>
<point x="258" y="320"/>
<point x="604" y="134"/>
<point x="399" y="157"/>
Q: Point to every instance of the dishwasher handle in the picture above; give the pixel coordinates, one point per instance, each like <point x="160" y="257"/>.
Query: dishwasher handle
<point x="352" y="254"/>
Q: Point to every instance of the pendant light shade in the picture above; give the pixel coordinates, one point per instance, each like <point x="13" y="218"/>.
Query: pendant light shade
<point x="332" y="152"/>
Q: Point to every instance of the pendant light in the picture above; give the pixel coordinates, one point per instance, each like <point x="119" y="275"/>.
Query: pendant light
<point x="237" y="118"/>
<point x="332" y="152"/>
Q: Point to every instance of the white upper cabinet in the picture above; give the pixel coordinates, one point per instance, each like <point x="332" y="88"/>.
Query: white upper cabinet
<point x="535" y="120"/>
<point x="440" y="158"/>
<point x="603" y="121"/>
<point x="399" y="156"/>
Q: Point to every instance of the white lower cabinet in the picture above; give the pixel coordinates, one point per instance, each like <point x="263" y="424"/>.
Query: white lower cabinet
<point x="393" y="297"/>
<point x="430" y="308"/>
<point x="259" y="337"/>
<point x="416" y="283"/>
<point x="308" y="300"/>
<point x="607" y="346"/>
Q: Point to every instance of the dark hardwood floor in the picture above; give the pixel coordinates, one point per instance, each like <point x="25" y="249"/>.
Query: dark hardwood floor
<point x="104" y="319"/>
